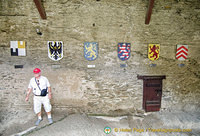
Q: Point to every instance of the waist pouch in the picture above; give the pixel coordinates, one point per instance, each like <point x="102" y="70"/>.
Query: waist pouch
<point x="44" y="92"/>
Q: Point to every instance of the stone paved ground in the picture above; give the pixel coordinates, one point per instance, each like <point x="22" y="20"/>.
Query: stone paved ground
<point x="84" y="125"/>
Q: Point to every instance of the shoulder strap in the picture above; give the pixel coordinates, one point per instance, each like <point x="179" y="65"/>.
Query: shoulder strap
<point x="37" y="84"/>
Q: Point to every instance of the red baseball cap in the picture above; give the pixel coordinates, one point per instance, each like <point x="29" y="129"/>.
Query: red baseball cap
<point x="36" y="70"/>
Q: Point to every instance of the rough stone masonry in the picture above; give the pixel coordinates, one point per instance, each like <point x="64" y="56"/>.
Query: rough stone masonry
<point x="107" y="88"/>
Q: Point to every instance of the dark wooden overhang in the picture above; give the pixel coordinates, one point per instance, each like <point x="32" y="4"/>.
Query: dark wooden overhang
<point x="149" y="11"/>
<point x="40" y="8"/>
<point x="155" y="77"/>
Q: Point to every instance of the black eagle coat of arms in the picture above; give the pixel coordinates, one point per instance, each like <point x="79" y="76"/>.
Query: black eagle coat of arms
<point x="55" y="50"/>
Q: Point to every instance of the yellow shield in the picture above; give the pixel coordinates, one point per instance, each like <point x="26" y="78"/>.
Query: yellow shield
<point x="154" y="51"/>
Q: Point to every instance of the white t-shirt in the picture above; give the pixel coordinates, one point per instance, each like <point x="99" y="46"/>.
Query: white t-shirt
<point x="43" y="83"/>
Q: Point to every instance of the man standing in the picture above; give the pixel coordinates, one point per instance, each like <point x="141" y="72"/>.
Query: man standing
<point x="42" y="95"/>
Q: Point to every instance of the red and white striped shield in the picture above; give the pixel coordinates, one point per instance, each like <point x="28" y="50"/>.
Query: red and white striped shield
<point x="182" y="52"/>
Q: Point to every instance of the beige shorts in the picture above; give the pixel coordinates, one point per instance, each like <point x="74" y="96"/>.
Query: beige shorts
<point x="39" y="101"/>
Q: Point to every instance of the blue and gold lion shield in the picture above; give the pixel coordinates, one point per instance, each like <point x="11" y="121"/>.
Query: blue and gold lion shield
<point x="90" y="50"/>
<point x="55" y="50"/>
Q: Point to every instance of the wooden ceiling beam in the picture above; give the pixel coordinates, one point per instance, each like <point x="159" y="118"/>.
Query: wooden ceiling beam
<point x="149" y="12"/>
<point x="40" y="8"/>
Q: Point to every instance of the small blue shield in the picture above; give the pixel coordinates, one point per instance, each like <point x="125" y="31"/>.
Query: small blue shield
<point x="90" y="50"/>
<point x="124" y="51"/>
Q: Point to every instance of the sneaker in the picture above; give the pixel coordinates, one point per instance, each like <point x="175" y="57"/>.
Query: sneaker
<point x="50" y="120"/>
<point x="38" y="122"/>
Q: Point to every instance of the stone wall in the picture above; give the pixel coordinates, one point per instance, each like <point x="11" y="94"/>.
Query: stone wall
<point x="107" y="88"/>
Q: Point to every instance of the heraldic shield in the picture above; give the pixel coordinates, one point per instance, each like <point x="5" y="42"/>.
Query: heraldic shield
<point x="182" y="52"/>
<point x="55" y="50"/>
<point x="18" y="48"/>
<point x="153" y="51"/>
<point x="124" y="51"/>
<point x="90" y="50"/>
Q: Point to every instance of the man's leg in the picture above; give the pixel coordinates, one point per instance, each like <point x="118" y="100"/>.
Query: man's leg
<point x="47" y="107"/>
<point x="49" y="117"/>
<point x="37" y="109"/>
<point x="39" y="115"/>
<point x="39" y="119"/>
<point x="49" y="114"/>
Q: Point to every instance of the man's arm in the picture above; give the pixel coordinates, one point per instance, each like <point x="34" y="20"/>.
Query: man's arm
<point x="49" y="92"/>
<point x="28" y="93"/>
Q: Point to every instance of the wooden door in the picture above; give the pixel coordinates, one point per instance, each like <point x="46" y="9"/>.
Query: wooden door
<point x="152" y="92"/>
